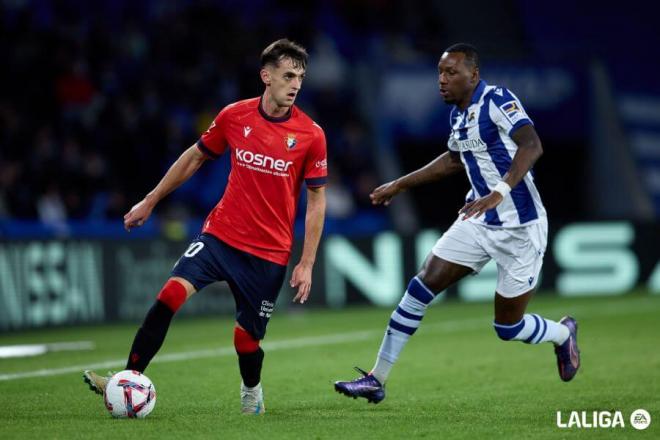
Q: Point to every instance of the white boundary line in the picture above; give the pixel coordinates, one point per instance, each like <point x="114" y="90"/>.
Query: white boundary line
<point x="337" y="338"/>
<point x="28" y="350"/>
<point x="284" y="344"/>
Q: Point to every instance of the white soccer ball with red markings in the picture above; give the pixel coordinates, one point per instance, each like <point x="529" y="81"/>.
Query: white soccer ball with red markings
<point x="130" y="394"/>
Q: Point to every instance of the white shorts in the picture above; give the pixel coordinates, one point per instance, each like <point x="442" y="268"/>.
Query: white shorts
<point x="518" y="252"/>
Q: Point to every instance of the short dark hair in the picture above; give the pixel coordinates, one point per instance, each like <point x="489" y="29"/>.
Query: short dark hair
<point x="471" y="53"/>
<point x="284" y="48"/>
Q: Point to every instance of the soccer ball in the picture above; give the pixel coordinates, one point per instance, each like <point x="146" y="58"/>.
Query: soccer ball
<point x="130" y="394"/>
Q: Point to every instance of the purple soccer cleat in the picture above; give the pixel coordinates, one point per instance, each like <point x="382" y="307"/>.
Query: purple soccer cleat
<point x="366" y="386"/>
<point x="568" y="353"/>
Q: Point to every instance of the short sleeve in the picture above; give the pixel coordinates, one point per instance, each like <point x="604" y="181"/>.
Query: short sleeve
<point x="452" y="143"/>
<point x="316" y="163"/>
<point x="506" y="111"/>
<point x="213" y="141"/>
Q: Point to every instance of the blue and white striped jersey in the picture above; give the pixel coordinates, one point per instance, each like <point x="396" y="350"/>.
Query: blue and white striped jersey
<point x="482" y="135"/>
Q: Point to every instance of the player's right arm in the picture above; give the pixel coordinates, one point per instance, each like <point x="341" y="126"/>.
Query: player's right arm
<point x="180" y="171"/>
<point x="444" y="165"/>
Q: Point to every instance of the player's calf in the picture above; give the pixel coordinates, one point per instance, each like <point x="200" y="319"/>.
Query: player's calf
<point x="250" y="362"/>
<point x="250" y="356"/>
<point x="150" y="336"/>
<point x="532" y="329"/>
<point x="404" y="322"/>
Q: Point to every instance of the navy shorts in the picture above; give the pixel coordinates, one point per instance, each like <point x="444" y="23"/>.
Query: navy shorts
<point x="255" y="282"/>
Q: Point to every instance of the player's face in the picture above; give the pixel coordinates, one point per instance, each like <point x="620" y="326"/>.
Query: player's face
<point x="456" y="79"/>
<point x="284" y="81"/>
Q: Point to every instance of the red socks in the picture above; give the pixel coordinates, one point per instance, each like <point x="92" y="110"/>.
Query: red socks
<point x="173" y="295"/>
<point x="244" y="342"/>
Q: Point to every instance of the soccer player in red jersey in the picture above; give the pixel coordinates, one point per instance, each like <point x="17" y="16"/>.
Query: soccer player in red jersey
<point x="246" y="239"/>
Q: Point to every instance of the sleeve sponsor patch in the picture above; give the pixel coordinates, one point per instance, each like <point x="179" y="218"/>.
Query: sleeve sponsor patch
<point x="452" y="144"/>
<point x="513" y="111"/>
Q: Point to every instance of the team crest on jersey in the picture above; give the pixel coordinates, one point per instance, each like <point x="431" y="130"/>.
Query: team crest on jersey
<point x="290" y="140"/>
<point x="512" y="111"/>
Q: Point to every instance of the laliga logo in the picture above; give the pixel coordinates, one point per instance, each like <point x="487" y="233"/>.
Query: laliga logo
<point x="261" y="160"/>
<point x="639" y="419"/>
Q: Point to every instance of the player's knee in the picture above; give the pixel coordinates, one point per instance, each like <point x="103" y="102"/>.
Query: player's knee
<point x="244" y="342"/>
<point x="173" y="295"/>
<point x="508" y="332"/>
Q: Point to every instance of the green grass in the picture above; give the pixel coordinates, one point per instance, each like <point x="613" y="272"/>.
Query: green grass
<point x="455" y="379"/>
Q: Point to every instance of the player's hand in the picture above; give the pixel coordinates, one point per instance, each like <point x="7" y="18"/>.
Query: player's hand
<point x="385" y="193"/>
<point x="138" y="215"/>
<point x="302" y="279"/>
<point x="478" y="206"/>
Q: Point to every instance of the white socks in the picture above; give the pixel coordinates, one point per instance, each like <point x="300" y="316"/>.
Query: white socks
<point x="533" y="329"/>
<point x="405" y="320"/>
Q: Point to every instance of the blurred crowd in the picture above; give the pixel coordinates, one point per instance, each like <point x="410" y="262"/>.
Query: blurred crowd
<point x="99" y="98"/>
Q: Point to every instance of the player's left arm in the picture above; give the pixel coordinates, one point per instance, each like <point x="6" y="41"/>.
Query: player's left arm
<point x="529" y="151"/>
<point x="302" y="273"/>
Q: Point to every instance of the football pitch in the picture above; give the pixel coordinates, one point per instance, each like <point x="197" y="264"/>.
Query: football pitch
<point x="455" y="379"/>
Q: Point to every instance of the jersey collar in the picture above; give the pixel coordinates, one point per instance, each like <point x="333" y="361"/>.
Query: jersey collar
<point x="478" y="91"/>
<point x="271" y="118"/>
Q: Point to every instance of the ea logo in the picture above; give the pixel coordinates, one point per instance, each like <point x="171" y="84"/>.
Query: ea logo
<point x="640" y="419"/>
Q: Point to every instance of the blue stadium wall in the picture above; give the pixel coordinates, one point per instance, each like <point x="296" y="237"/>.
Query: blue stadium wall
<point x="53" y="282"/>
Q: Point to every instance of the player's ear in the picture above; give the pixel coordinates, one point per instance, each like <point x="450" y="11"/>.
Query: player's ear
<point x="265" y="76"/>
<point x="475" y="75"/>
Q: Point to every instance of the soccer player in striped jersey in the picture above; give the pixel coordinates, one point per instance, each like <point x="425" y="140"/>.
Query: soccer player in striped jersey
<point x="494" y="141"/>
<point x="246" y="239"/>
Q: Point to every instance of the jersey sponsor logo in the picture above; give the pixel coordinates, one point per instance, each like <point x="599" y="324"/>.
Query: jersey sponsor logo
<point x="322" y="163"/>
<point x="512" y="111"/>
<point x="261" y="162"/>
<point x="469" y="145"/>
<point x="290" y="140"/>
<point x="246" y="130"/>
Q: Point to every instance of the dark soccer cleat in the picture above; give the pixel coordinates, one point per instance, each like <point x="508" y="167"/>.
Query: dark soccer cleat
<point x="568" y="354"/>
<point x="367" y="386"/>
